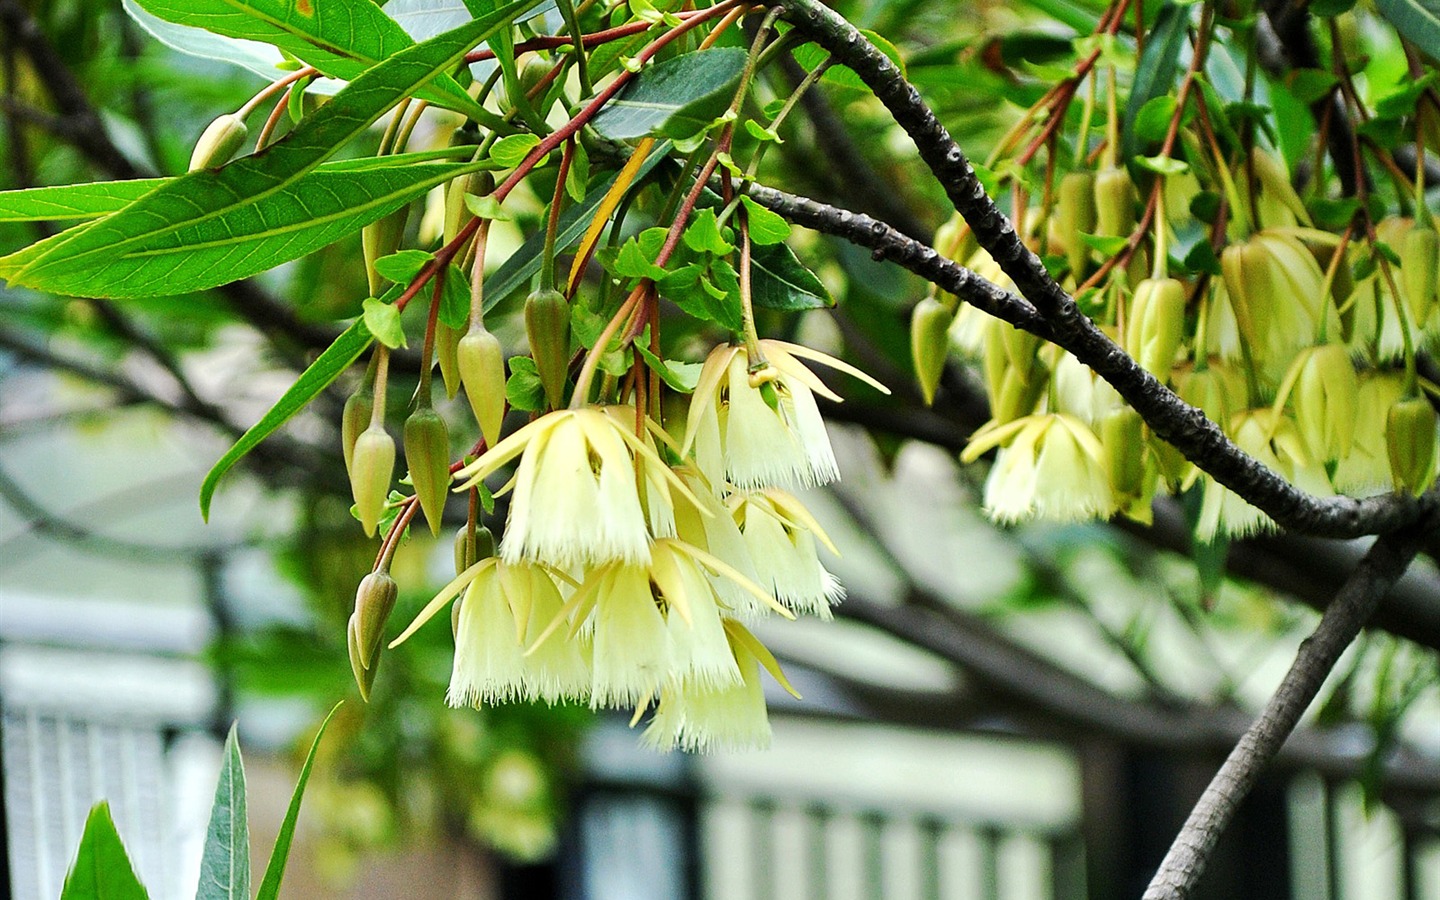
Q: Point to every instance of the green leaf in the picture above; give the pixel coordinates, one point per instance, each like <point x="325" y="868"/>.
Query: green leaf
<point x="633" y="262"/>
<point x="106" y="258"/>
<point x="486" y="207"/>
<point x="342" y="38"/>
<point x="1163" y="165"/>
<point x="766" y="227"/>
<point x="336" y="359"/>
<point x="703" y="234"/>
<point x="523" y="389"/>
<point x="383" y="321"/>
<point x="675" y="98"/>
<point x="275" y="871"/>
<point x="1156" y="69"/>
<point x="73" y="201"/>
<point x="780" y="281"/>
<point x="680" y="376"/>
<point x="510" y="151"/>
<point x="402" y="267"/>
<point x="1202" y="258"/>
<point x="455" y="299"/>
<point x="1107" y="245"/>
<point x="1310" y="85"/>
<point x="225" y="863"/>
<point x="102" y="869"/>
<point x="1153" y="121"/>
<point x="1417" y="20"/>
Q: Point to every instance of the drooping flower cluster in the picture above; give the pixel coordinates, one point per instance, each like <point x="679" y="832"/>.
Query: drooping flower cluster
<point x="627" y="572"/>
<point x="1297" y="342"/>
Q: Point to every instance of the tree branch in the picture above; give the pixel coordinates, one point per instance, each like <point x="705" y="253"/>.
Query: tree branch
<point x="1181" y="425"/>
<point x="1357" y="600"/>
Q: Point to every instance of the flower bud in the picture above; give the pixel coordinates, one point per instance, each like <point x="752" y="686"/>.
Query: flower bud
<point x="447" y="343"/>
<point x="1419" y="267"/>
<point x="1156" y="325"/>
<point x="930" y="344"/>
<point x="1122" y="434"/>
<point x="356" y="418"/>
<point x="1218" y="392"/>
<point x="1325" y="398"/>
<point x="1075" y="214"/>
<point x="371" y="470"/>
<point x="218" y="142"/>
<point x="364" y="677"/>
<point x="471" y="547"/>
<point x="482" y="370"/>
<point x="374" y="600"/>
<point x="547" y="325"/>
<point x="1410" y="439"/>
<point x="477" y="183"/>
<point x="1114" y="203"/>
<point x="379" y="239"/>
<point x="427" y="453"/>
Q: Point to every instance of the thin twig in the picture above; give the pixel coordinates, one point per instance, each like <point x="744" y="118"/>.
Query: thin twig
<point x="1352" y="607"/>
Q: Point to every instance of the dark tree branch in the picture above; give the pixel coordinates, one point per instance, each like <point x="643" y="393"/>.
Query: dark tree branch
<point x="1181" y="425"/>
<point x="1352" y="607"/>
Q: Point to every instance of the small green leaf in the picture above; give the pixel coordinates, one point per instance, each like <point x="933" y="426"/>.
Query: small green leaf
<point x="680" y="376"/>
<point x="703" y="234"/>
<point x="523" y="389"/>
<point x="1202" y="258"/>
<point x="102" y="869"/>
<point x="402" y="267"/>
<point x="487" y="207"/>
<point x="761" y="133"/>
<point x="275" y="871"/>
<point x="780" y="281"/>
<point x="1205" y="206"/>
<point x="766" y="227"/>
<point x="1156" y="69"/>
<point x="510" y="151"/>
<point x="1153" y="121"/>
<point x="1309" y="85"/>
<point x="383" y="321"/>
<point x="633" y="262"/>
<point x="675" y="98"/>
<point x="225" y="863"/>
<point x="455" y="299"/>
<point x="1108" y="246"/>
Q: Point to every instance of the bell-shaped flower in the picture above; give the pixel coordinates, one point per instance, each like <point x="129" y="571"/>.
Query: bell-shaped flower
<point x="762" y="428"/>
<point x="781" y="536"/>
<point x="1050" y="466"/>
<point x="732" y="717"/>
<point x="1366" y="468"/>
<point x="577" y="498"/>
<point x="1275" y="441"/>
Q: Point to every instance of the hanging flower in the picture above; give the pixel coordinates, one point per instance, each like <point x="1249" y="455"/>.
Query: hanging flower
<point x="761" y="427"/>
<point x="781" y="536"/>
<point x="577" y="499"/>
<point x="1050" y="466"/>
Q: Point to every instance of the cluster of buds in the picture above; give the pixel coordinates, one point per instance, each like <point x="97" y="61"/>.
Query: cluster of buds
<point x="1299" y="345"/>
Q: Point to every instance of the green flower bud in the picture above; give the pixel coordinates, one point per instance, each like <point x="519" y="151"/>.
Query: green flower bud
<point x="1122" y="434"/>
<point x="1014" y="376"/>
<point x="379" y="239"/>
<point x="1419" y="267"/>
<point x="470" y="547"/>
<point x="1075" y="215"/>
<point x="1114" y="203"/>
<point x="374" y="601"/>
<point x="547" y="325"/>
<point x="447" y="343"/>
<point x="219" y="142"/>
<point x="1217" y="391"/>
<point x="372" y="467"/>
<point x="1410" y="439"/>
<point x="482" y="370"/>
<point x="427" y="453"/>
<point x="355" y="419"/>
<point x="1156" y="325"/>
<point x="1326" y="401"/>
<point x="930" y="344"/>
<point x="456" y="214"/>
<point x="364" y="677"/>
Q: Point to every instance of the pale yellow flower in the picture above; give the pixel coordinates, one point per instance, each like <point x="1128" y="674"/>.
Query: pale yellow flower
<point x="781" y="535"/>
<point x="577" y="498"/>
<point x="763" y="429"/>
<point x="1049" y="466"/>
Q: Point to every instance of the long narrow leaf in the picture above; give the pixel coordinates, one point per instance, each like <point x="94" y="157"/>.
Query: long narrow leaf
<point x="341" y="38"/>
<point x="81" y="262"/>
<point x="275" y="871"/>
<point x="225" y="863"/>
